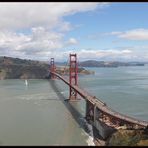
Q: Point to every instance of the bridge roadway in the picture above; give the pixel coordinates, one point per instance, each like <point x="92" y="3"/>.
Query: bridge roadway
<point x="101" y="105"/>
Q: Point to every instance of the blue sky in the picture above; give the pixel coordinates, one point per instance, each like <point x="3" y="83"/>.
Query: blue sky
<point x="119" y="16"/>
<point x="95" y="30"/>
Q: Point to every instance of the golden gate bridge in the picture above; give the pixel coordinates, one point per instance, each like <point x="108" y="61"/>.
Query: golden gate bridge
<point x="99" y="114"/>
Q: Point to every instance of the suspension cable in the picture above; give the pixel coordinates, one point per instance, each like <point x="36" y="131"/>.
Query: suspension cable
<point x="64" y="72"/>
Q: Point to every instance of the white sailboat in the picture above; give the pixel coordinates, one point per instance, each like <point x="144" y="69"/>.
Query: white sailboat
<point x="26" y="82"/>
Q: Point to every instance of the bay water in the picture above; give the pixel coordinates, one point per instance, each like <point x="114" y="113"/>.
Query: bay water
<point x="35" y="113"/>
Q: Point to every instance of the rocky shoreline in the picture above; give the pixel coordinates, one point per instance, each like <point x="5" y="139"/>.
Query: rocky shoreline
<point x="124" y="137"/>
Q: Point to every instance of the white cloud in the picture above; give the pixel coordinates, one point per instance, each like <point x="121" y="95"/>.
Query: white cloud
<point x="47" y="24"/>
<point x="65" y="26"/>
<point x="107" y="55"/>
<point x="21" y="15"/>
<point x="135" y="34"/>
<point x="40" y="44"/>
<point x="94" y="54"/>
<point x="72" y="41"/>
<point x="110" y="54"/>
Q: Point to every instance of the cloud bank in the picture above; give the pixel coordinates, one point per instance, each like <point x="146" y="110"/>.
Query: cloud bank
<point x="37" y="30"/>
<point x="135" y="34"/>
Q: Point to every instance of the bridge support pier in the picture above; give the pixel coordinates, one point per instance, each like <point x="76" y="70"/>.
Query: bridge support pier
<point x="89" y="111"/>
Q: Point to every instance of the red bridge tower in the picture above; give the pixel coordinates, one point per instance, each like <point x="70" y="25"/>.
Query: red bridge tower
<point x="52" y="68"/>
<point x="73" y="76"/>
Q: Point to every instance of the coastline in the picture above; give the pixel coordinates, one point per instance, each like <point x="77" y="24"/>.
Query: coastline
<point x="99" y="142"/>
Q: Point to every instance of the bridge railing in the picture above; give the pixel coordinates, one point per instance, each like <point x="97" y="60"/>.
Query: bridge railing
<point x="122" y="116"/>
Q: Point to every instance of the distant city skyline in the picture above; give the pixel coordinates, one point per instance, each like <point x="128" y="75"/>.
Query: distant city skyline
<point x="116" y="31"/>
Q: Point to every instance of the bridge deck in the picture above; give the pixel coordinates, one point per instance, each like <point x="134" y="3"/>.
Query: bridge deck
<point x="101" y="105"/>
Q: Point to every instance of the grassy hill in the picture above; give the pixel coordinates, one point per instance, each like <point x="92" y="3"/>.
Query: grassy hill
<point x="15" y="68"/>
<point x="93" y="63"/>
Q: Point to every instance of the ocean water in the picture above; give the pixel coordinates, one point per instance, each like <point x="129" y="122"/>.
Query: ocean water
<point x="125" y="89"/>
<point x="35" y="113"/>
